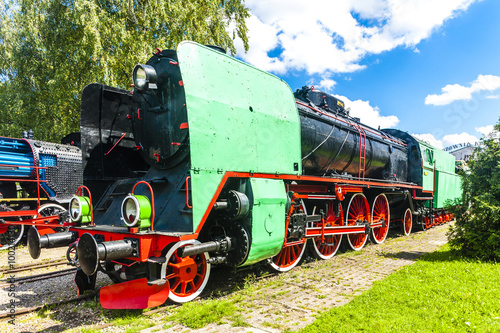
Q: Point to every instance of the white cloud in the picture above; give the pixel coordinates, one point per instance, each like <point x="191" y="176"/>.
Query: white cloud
<point x="455" y="92"/>
<point x="263" y="39"/>
<point x="488" y="131"/>
<point x="335" y="36"/>
<point x="453" y="139"/>
<point x="485" y="130"/>
<point x="447" y="140"/>
<point x="327" y="84"/>
<point x="493" y="96"/>
<point x="368" y="114"/>
<point x="430" y="139"/>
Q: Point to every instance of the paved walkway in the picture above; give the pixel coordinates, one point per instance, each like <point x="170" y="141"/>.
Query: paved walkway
<point x="291" y="300"/>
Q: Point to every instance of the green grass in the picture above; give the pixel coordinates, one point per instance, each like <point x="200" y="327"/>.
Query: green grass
<point x="439" y="293"/>
<point x="199" y="314"/>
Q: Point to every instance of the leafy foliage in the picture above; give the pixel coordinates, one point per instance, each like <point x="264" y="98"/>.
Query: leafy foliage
<point x="51" y="49"/>
<point x="477" y="230"/>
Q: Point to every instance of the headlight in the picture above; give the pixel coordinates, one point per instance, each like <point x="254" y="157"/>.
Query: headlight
<point x="79" y="209"/>
<point x="144" y="77"/>
<point x="136" y="211"/>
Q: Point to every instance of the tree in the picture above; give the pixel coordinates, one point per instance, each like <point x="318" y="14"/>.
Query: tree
<point x="476" y="232"/>
<point x="51" y="49"/>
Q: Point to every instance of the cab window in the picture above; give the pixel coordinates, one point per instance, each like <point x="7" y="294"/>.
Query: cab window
<point x="429" y="156"/>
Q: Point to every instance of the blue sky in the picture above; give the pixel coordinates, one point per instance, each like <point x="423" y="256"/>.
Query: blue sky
<point x="428" y="67"/>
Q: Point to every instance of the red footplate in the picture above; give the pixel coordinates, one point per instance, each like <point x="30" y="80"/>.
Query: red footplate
<point x="135" y="294"/>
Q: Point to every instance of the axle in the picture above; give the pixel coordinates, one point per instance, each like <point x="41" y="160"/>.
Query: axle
<point x="223" y="245"/>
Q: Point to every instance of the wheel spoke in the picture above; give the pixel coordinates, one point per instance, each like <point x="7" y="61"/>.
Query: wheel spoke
<point x="287" y="258"/>
<point x="407" y="222"/>
<point x="176" y="284"/>
<point x="187" y="276"/>
<point x="357" y="210"/>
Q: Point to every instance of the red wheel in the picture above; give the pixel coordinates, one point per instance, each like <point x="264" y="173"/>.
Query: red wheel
<point x="71" y="253"/>
<point x="327" y="249"/>
<point x="407" y="222"/>
<point x="380" y="212"/>
<point x="188" y="276"/>
<point x="288" y="257"/>
<point x="428" y="222"/>
<point x="358" y="211"/>
<point x="290" y="254"/>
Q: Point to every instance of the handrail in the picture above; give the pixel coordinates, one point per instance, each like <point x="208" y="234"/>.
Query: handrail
<point x="345" y="122"/>
<point x="187" y="193"/>
<point x="362" y="150"/>
<point x="33" y="168"/>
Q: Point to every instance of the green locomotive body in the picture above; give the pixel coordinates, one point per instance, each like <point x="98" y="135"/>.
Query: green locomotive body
<point x="241" y="171"/>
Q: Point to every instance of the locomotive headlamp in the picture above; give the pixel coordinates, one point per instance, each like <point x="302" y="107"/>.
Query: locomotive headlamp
<point x="79" y="209"/>
<point x="136" y="211"/>
<point x="144" y="77"/>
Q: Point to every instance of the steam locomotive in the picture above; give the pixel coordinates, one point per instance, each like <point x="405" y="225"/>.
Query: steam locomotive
<point x="37" y="181"/>
<point x="239" y="170"/>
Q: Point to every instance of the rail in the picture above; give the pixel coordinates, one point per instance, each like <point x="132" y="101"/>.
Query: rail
<point x="38" y="181"/>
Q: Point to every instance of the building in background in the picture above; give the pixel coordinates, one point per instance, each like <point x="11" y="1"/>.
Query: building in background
<point x="462" y="151"/>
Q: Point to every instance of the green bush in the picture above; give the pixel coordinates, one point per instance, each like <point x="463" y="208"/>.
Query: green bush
<point x="476" y="233"/>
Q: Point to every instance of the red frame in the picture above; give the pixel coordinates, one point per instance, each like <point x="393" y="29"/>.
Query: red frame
<point x="151" y="245"/>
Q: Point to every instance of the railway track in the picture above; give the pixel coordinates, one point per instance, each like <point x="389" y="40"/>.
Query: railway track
<point x="6" y="315"/>
<point x="38" y="277"/>
<point x="22" y="268"/>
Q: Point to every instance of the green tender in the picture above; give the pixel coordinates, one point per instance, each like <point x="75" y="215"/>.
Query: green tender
<point x="240" y="119"/>
<point x="443" y="181"/>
